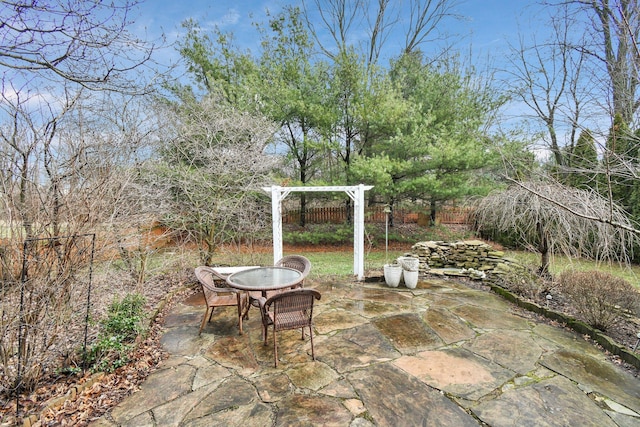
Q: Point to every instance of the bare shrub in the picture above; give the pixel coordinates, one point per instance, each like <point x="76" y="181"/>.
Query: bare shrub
<point x="601" y="299"/>
<point x="43" y="314"/>
<point x="209" y="178"/>
<point x="522" y="281"/>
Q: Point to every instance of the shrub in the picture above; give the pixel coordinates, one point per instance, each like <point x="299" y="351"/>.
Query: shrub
<point x="600" y="299"/>
<point x="118" y="332"/>
<point x="319" y="234"/>
<point x="522" y="281"/>
<point x="337" y="234"/>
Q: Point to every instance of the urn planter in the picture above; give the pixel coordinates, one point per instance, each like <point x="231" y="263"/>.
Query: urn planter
<point x="410" y="273"/>
<point x="392" y="274"/>
<point x="409" y="263"/>
<point x="410" y="278"/>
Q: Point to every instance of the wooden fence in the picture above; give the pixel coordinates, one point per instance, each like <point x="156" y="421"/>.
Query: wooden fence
<point x="453" y="215"/>
<point x="338" y="215"/>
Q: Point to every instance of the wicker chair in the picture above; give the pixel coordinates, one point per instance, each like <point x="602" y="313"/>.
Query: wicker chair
<point x="219" y="296"/>
<point x="288" y="310"/>
<point x="297" y="262"/>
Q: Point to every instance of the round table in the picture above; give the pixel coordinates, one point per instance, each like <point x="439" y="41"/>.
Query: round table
<point x="265" y="279"/>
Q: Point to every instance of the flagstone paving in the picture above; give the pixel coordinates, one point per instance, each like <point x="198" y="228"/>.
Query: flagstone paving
<point x="438" y="355"/>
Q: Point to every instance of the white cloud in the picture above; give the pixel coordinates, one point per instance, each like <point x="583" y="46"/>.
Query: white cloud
<point x="232" y="17"/>
<point x="30" y="99"/>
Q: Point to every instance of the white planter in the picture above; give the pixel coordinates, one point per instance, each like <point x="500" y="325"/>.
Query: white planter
<point x="409" y="263"/>
<point x="410" y="278"/>
<point x="392" y="275"/>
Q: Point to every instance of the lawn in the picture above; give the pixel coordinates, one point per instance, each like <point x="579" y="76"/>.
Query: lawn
<point x="325" y="260"/>
<point x="560" y="263"/>
<point x="330" y="254"/>
<point x="341" y="262"/>
<point x="338" y="260"/>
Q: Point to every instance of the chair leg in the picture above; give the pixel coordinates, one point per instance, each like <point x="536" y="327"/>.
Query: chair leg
<point x="240" y="307"/>
<point x="204" y="319"/>
<point x="313" y="354"/>
<point x="247" y="306"/>
<point x="275" y="346"/>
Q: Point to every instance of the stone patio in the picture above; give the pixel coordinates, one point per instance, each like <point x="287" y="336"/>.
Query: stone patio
<point x="439" y="355"/>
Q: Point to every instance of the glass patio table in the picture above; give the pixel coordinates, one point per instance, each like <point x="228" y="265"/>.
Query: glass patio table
<point x="263" y="279"/>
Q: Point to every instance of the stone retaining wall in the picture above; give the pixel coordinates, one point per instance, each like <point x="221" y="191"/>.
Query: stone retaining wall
<point x="462" y="255"/>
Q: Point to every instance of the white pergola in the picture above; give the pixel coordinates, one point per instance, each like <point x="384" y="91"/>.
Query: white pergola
<point x="356" y="192"/>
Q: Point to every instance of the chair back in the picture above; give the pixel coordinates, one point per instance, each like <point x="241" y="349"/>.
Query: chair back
<point x="292" y="309"/>
<point x="208" y="277"/>
<point x="216" y="295"/>
<point x="297" y="262"/>
<point x="210" y="282"/>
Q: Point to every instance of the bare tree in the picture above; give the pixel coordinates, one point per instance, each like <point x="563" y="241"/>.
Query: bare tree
<point x="111" y="141"/>
<point x="617" y="24"/>
<point x="593" y="86"/>
<point x="611" y="29"/>
<point x="26" y="144"/>
<point x="68" y="162"/>
<point x="547" y="76"/>
<point x="550" y="218"/>
<point x="52" y="56"/>
<point x="381" y="19"/>
<point x="425" y="21"/>
<point x="67" y="178"/>
<point x="85" y="42"/>
<point x="211" y="173"/>
<point x="68" y="151"/>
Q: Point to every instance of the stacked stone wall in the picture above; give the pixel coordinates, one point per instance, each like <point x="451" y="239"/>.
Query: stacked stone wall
<point x="474" y="255"/>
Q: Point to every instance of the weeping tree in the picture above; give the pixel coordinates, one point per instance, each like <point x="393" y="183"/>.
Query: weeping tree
<point x="583" y="225"/>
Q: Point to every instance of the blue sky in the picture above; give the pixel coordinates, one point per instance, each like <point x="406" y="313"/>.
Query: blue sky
<point x="483" y="33"/>
<point x="486" y="27"/>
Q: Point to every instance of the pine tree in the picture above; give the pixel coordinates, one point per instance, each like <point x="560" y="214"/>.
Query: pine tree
<point x="582" y="162"/>
<point x="621" y="150"/>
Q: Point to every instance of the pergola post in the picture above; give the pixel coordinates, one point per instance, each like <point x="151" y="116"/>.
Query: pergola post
<point x="358" y="233"/>
<point x="356" y="193"/>
<point x="276" y="219"/>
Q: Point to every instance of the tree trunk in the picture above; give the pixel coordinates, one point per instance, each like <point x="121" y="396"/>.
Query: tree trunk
<point x="303" y="210"/>
<point x="543" y="247"/>
<point x="432" y="214"/>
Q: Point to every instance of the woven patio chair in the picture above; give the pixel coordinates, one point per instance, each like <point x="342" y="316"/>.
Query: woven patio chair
<point x="288" y="310"/>
<point x="218" y="295"/>
<point x="297" y="262"/>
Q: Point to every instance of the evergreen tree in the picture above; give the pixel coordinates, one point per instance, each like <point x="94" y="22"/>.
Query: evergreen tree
<point x="293" y="93"/>
<point x="440" y="150"/>
<point x="621" y="150"/>
<point x="218" y="66"/>
<point x="582" y="161"/>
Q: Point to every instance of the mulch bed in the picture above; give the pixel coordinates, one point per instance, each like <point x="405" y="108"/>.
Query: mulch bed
<point x="47" y="405"/>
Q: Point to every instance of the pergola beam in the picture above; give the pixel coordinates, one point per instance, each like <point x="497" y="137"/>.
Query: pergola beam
<point x="355" y="192"/>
